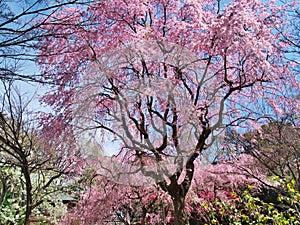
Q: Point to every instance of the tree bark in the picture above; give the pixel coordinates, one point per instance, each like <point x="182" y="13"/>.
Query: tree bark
<point x="28" y="184"/>
<point x="180" y="216"/>
<point x="4" y="189"/>
<point x="178" y="193"/>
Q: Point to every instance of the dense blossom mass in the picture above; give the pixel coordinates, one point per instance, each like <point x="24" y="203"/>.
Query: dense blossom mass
<point x="165" y="79"/>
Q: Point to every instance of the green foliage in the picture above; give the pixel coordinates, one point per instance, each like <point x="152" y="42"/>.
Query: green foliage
<point x="246" y="208"/>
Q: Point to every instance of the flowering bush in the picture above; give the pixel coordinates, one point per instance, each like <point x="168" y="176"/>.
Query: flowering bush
<point x="225" y="193"/>
<point x="246" y="208"/>
<point x="13" y="207"/>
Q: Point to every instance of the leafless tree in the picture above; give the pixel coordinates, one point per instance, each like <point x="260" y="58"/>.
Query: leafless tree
<point x="20" y="21"/>
<point x="276" y="147"/>
<point x="23" y="149"/>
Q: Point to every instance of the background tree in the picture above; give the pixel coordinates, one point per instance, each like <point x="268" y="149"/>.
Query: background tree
<point x="292" y="38"/>
<point x="275" y="146"/>
<point x="19" y="33"/>
<point x="31" y="169"/>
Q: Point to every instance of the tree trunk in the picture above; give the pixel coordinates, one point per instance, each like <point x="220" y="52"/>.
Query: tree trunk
<point x="28" y="184"/>
<point x="178" y="191"/>
<point x="4" y="181"/>
<point x="180" y="216"/>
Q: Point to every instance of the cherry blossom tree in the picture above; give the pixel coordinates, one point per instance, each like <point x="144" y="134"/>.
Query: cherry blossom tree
<point x="164" y="78"/>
